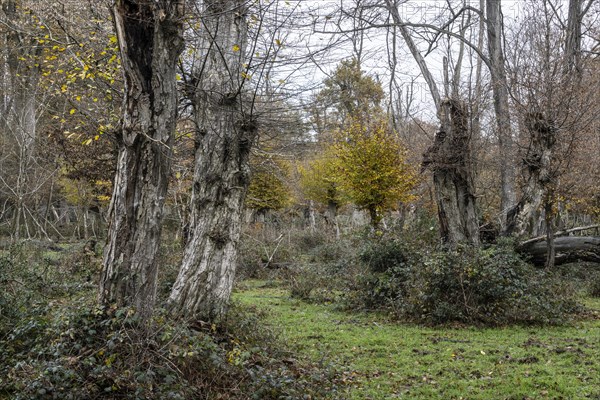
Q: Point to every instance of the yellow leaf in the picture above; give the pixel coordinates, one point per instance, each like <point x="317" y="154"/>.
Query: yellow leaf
<point x="72" y="111"/>
<point x="236" y="47"/>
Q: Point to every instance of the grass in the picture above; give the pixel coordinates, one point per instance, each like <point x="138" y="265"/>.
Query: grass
<point x="380" y="359"/>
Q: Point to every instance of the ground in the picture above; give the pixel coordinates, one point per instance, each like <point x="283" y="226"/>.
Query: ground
<point x="383" y="359"/>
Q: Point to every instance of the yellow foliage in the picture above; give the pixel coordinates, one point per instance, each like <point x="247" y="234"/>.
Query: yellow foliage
<point x="371" y="167"/>
<point x="85" y="193"/>
<point x="267" y="190"/>
<point x="319" y="180"/>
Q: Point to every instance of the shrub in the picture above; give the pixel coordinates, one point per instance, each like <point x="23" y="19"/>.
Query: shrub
<point x="82" y="352"/>
<point x="310" y="282"/>
<point x="30" y="275"/>
<point x="490" y="285"/>
<point x="323" y="273"/>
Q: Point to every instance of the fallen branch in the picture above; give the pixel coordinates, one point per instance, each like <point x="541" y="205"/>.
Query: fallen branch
<point x="557" y="234"/>
<point x="568" y="249"/>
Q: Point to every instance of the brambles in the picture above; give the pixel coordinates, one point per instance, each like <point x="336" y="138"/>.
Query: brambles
<point x="492" y="286"/>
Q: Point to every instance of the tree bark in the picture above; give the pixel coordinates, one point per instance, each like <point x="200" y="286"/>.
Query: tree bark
<point x="451" y="162"/>
<point x="568" y="249"/>
<point x="501" y="108"/>
<point x="524" y="218"/>
<point x="225" y="134"/>
<point x="573" y="38"/>
<point x="449" y="157"/>
<point x="150" y="38"/>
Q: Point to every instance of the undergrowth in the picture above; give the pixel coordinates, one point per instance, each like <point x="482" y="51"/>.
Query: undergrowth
<point x="68" y="352"/>
<point x="57" y="344"/>
<point x="490" y="285"/>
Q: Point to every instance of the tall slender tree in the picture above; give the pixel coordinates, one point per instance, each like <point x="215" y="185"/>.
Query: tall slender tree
<point x="497" y="66"/>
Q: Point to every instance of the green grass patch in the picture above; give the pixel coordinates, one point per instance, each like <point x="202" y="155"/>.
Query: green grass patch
<point x="381" y="359"/>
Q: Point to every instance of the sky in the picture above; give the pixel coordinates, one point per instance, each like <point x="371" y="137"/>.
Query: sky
<point x="319" y="33"/>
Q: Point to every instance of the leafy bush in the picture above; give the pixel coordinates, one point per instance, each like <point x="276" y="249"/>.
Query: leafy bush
<point x="57" y="345"/>
<point x="31" y="274"/>
<point x="79" y="352"/>
<point x="472" y="285"/>
<point x="326" y="271"/>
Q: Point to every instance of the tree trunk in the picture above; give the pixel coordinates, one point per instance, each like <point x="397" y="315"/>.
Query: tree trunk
<point x="150" y="39"/>
<point x="312" y="223"/>
<point x="568" y="249"/>
<point x="450" y="156"/>
<point x="523" y="219"/>
<point x="331" y="215"/>
<point x="501" y="108"/>
<point x="225" y="134"/>
<point x="450" y="159"/>
<point x="573" y="38"/>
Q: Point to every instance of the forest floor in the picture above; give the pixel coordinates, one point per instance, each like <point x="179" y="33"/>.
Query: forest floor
<point x="377" y="358"/>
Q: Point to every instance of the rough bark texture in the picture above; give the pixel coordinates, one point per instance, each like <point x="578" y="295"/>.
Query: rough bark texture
<point x="222" y="174"/>
<point x="450" y="160"/>
<point x="567" y="249"/>
<point x="501" y="107"/>
<point x="151" y="39"/>
<point x="524" y="220"/>
<point x="573" y="39"/>
<point x="449" y="157"/>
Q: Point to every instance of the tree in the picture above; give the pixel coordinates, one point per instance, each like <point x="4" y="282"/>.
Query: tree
<point x="499" y="82"/>
<point x="450" y="156"/>
<point x="268" y="189"/>
<point x="371" y="168"/>
<point x="150" y="37"/>
<point x="225" y="132"/>
<point x="59" y="79"/>
<point x="554" y="109"/>
<point x="23" y="170"/>
<point x="348" y="93"/>
<point x="319" y="182"/>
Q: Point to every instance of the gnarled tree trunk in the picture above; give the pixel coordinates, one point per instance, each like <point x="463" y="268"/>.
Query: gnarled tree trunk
<point x="450" y="160"/>
<point x="449" y="157"/>
<point x="524" y="219"/>
<point x="150" y="38"/>
<point x="225" y="134"/>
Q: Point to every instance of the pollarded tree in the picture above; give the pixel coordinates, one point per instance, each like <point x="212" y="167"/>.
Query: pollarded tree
<point x="371" y="168"/>
<point x="150" y="37"/>
<point x="226" y="131"/>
